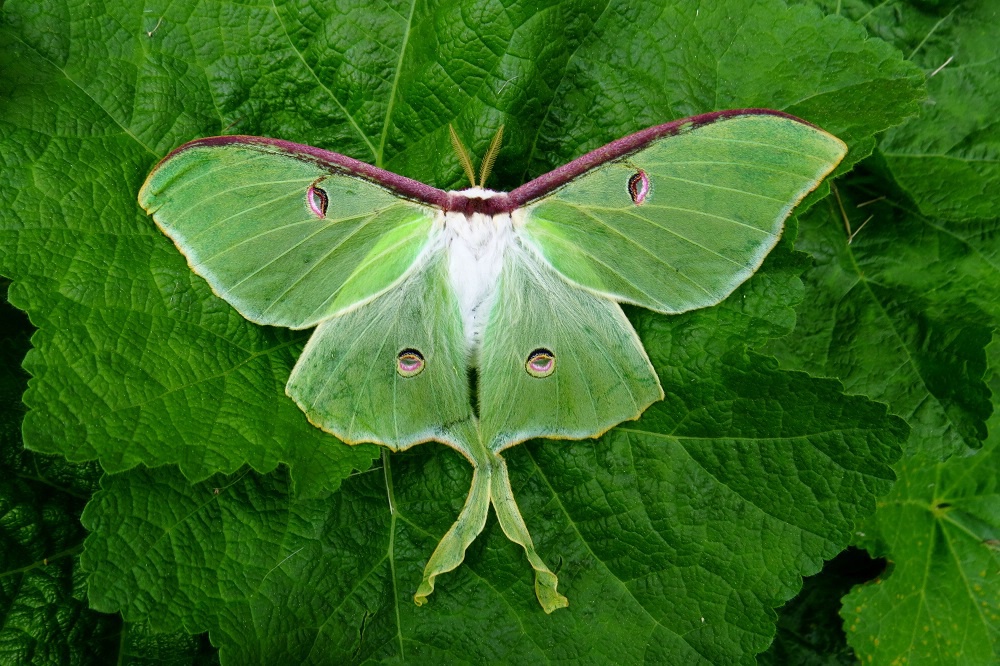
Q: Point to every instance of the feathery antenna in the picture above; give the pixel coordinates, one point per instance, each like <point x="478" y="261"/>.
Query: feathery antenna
<point x="463" y="156"/>
<point x="491" y="157"/>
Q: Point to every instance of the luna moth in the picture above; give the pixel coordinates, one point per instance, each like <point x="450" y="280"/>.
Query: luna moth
<point x="482" y="319"/>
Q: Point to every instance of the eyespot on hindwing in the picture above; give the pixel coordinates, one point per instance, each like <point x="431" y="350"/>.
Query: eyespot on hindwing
<point x="409" y="363"/>
<point x="541" y="363"/>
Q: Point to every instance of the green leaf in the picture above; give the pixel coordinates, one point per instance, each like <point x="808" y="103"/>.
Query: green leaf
<point x="948" y="158"/>
<point x="660" y="523"/>
<point x="711" y="507"/>
<point x="115" y="303"/>
<point x="809" y="627"/>
<point x="681" y="530"/>
<point x="940" y="603"/>
<point x="42" y="590"/>
<point x="902" y="313"/>
<point x="940" y="527"/>
<point x="134" y="358"/>
<point x="46" y="620"/>
<point x="678" y="59"/>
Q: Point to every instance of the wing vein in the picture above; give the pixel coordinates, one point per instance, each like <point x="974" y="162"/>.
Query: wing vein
<point x="686" y="210"/>
<point x="257" y="237"/>
<point x="343" y="357"/>
<point x="678" y="235"/>
<point x="746" y="165"/>
<point x="725" y="189"/>
<point x="638" y="245"/>
<point x="320" y="261"/>
<point x="365" y="263"/>
<point x="215" y="195"/>
<point x="295" y="247"/>
<point x="218" y="223"/>
<point x="187" y="181"/>
<point x="765" y="145"/>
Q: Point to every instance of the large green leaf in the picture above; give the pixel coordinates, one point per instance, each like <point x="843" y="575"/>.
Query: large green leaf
<point x="945" y="262"/>
<point x="673" y="536"/>
<point x="912" y="338"/>
<point x="940" y="603"/>
<point x="904" y="313"/>
<point x="45" y="615"/>
<point x="711" y="507"/>
<point x="940" y="525"/>
<point x="135" y="360"/>
<point x="42" y="589"/>
<point x="948" y="158"/>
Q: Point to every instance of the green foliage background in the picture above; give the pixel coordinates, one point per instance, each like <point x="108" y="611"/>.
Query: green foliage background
<point x="171" y="489"/>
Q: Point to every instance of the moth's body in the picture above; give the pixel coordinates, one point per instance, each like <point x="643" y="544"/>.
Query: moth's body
<point x="408" y="285"/>
<point x="475" y="244"/>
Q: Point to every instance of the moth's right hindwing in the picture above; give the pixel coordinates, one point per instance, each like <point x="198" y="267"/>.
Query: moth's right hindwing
<point x="556" y="360"/>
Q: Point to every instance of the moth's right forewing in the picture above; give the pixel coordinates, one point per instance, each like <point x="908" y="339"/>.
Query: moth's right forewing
<point x="683" y="220"/>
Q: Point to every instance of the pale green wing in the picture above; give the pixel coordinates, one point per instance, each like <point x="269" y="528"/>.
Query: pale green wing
<point x="288" y="235"/>
<point x="677" y="221"/>
<point x="392" y="371"/>
<point x="600" y="374"/>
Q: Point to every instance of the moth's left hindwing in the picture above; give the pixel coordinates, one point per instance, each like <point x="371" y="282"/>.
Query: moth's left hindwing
<point x="285" y="239"/>
<point x="393" y="371"/>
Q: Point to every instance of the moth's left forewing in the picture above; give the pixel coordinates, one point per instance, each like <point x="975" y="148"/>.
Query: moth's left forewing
<point x="288" y="235"/>
<point x="678" y="221"/>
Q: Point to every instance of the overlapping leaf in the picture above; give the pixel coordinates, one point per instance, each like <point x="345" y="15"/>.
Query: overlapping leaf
<point x="904" y="313"/>
<point x="913" y="338"/>
<point x="948" y="158"/>
<point x="134" y="358"/>
<point x="42" y="589"/>
<point x="940" y="604"/>
<point x="673" y="535"/>
<point x="904" y="316"/>
<point x="46" y="620"/>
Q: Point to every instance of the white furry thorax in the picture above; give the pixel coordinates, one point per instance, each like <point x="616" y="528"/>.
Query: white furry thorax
<point x="476" y="245"/>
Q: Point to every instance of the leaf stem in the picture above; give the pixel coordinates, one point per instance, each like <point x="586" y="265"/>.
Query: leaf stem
<point x="45" y="562"/>
<point x="388" y="481"/>
<point x="931" y="32"/>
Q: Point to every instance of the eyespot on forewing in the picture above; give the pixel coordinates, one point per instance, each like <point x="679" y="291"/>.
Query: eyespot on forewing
<point x="638" y="186"/>
<point x="409" y="363"/>
<point x="541" y="363"/>
<point x="317" y="199"/>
